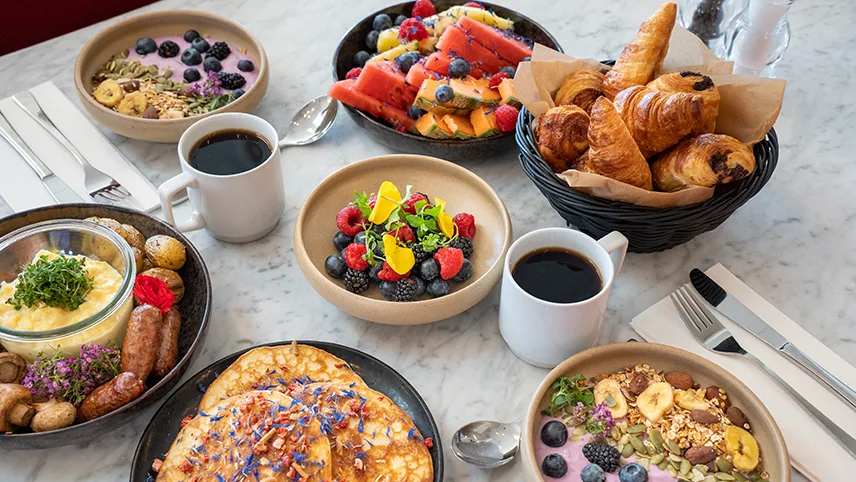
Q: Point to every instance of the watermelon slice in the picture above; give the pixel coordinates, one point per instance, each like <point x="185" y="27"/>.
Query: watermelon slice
<point x="418" y="73"/>
<point x="502" y="43"/>
<point x="456" y="43"/>
<point x="439" y="62"/>
<point x="385" y="82"/>
<point x="345" y="91"/>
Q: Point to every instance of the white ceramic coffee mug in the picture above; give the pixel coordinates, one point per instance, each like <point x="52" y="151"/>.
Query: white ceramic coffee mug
<point x="543" y="333"/>
<point x="235" y="208"/>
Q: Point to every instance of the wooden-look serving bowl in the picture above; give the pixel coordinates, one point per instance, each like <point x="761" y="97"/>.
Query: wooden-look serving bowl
<point x="125" y="34"/>
<point x="614" y="357"/>
<point x="462" y="190"/>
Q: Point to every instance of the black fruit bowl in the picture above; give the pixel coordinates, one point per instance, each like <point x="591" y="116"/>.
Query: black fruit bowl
<point x="195" y="309"/>
<point x="402" y="142"/>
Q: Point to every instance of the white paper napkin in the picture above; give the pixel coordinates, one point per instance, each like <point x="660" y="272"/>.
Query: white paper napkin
<point x="812" y="451"/>
<point x="21" y="188"/>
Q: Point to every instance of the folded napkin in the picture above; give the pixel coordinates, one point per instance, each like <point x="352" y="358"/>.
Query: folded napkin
<point x="21" y="188"/>
<point x="812" y="451"/>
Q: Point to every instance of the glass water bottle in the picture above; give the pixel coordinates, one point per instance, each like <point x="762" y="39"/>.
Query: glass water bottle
<point x="757" y="38"/>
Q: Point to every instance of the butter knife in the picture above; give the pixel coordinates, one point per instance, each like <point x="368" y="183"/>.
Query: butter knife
<point x="743" y="316"/>
<point x="58" y="190"/>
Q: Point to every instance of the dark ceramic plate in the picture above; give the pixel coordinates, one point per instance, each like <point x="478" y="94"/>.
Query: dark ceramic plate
<point x="194" y="307"/>
<point x="450" y="149"/>
<point x="165" y="425"/>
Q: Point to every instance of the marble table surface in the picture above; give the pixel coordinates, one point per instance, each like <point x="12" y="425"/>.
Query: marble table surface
<point x="793" y="243"/>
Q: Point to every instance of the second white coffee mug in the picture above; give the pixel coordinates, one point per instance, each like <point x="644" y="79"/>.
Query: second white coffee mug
<point x="543" y="333"/>
<point x="235" y="208"/>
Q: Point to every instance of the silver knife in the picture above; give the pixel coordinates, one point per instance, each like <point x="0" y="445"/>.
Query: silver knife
<point x="57" y="189"/>
<point x="738" y="313"/>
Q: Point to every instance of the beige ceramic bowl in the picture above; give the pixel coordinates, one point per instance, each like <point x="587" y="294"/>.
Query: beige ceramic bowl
<point x="607" y="358"/>
<point x="125" y="34"/>
<point x="461" y="189"/>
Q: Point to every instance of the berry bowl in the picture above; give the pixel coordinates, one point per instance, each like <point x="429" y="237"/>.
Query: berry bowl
<point x="148" y="93"/>
<point x="317" y="226"/>
<point x="459" y="146"/>
<point x="705" y="420"/>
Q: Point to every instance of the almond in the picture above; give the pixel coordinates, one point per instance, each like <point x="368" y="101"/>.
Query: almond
<point x="700" y="455"/>
<point x="638" y="384"/>
<point x="737" y="417"/>
<point x="703" y="416"/>
<point x="680" y="380"/>
<point x="715" y="393"/>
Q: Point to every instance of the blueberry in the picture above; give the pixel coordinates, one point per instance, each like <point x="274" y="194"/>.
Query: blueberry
<point x="381" y="22"/>
<point x="429" y="269"/>
<point x="238" y="93"/>
<point x="191" y="75"/>
<point x="414" y="112"/>
<point x="421" y="286"/>
<point x="378" y="250"/>
<point x="508" y="70"/>
<point x="554" y="466"/>
<point x="360" y="238"/>
<point x="438" y="287"/>
<point x="633" y="472"/>
<point x="592" y="473"/>
<point x="465" y="272"/>
<point x="387" y="289"/>
<point x="361" y="58"/>
<point x="246" y="65"/>
<point x="444" y="93"/>
<point x="146" y="45"/>
<point x="459" y="68"/>
<point x="211" y="64"/>
<point x="374" y="270"/>
<point x="526" y="59"/>
<point x="335" y="266"/>
<point x="342" y="240"/>
<point x="200" y="44"/>
<point x="400" y="19"/>
<point x="191" y="56"/>
<point x="190" y="35"/>
<point x="554" y="434"/>
<point x="378" y="228"/>
<point x="405" y="61"/>
<point x="342" y="253"/>
<point x="371" y="40"/>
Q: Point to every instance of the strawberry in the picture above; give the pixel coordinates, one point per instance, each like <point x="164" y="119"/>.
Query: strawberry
<point x="423" y="9"/>
<point x="354" y="257"/>
<point x="506" y="118"/>
<point x="403" y="233"/>
<point x="474" y="5"/>
<point x="495" y="79"/>
<point x="353" y="73"/>
<point x="412" y="29"/>
<point x="350" y="220"/>
<point x="387" y="274"/>
<point x="409" y="204"/>
<point x="466" y="224"/>
<point x="451" y="260"/>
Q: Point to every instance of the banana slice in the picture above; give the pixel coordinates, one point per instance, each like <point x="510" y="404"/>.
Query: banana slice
<point x="134" y="104"/>
<point x="607" y="388"/>
<point x="690" y="400"/>
<point x="108" y="93"/>
<point x="743" y="448"/>
<point x="656" y="400"/>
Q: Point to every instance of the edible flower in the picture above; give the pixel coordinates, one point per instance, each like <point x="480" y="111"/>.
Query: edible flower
<point x="388" y="200"/>
<point x="399" y="258"/>
<point x="153" y="291"/>
<point x="447" y="225"/>
<point x="72" y="378"/>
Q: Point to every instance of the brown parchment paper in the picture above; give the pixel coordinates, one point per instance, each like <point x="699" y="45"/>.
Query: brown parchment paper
<point x="748" y="109"/>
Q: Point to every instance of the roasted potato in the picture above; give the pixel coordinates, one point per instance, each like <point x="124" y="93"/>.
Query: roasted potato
<point x="138" y="259"/>
<point x="171" y="278"/>
<point x="110" y="224"/>
<point x="134" y="237"/>
<point x="165" y="252"/>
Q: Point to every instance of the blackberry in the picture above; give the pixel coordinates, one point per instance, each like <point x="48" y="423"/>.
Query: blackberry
<point x="200" y="44"/>
<point x="356" y="281"/>
<point x="420" y="254"/>
<point x="219" y="50"/>
<point x="146" y="45"/>
<point x="232" y="81"/>
<point x="406" y="289"/>
<point x="168" y="49"/>
<point x="602" y="454"/>
<point x="464" y="244"/>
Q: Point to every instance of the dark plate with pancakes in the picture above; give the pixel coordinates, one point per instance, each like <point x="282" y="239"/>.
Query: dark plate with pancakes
<point x="302" y="369"/>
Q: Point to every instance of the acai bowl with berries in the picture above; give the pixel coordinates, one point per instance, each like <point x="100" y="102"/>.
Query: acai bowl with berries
<point x="151" y="76"/>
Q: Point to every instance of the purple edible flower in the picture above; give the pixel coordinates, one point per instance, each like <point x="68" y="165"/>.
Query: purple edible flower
<point x="72" y="378"/>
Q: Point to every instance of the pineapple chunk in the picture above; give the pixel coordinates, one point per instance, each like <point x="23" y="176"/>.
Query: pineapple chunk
<point x="483" y="16"/>
<point x="394" y="53"/>
<point x="388" y="40"/>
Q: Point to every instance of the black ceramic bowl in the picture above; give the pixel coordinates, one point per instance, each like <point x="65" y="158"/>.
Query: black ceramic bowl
<point x="450" y="149"/>
<point x="195" y="308"/>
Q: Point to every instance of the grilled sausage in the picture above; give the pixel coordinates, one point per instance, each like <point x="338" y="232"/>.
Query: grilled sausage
<point x="167" y="349"/>
<point x="140" y="347"/>
<point x="116" y="393"/>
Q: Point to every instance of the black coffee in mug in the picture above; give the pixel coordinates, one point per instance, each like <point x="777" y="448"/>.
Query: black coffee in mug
<point x="558" y="275"/>
<point x="227" y="152"/>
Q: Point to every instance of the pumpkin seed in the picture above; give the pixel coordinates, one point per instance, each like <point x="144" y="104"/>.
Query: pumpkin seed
<point x="124" y="53"/>
<point x="637" y="444"/>
<point x="755" y="477"/>
<point x="656" y="438"/>
<point x="611" y="442"/>
<point x="656" y="459"/>
<point x="662" y="465"/>
<point x="645" y="463"/>
<point x="636" y="428"/>
<point x="158" y="88"/>
<point x="112" y="76"/>
<point x="122" y="80"/>
<point x="672" y="446"/>
<point x="709" y="478"/>
<point x="675" y="458"/>
<point x="627" y="451"/>
<point x="111" y="65"/>
<point x="676" y="465"/>
<point x="625" y="439"/>
<point x="738" y="476"/>
<point x="622" y="426"/>
<point x="579" y="431"/>
<point x="576" y="438"/>
<point x="640" y="455"/>
<point x="686" y="466"/>
<point x="167" y="72"/>
<point x="160" y="80"/>
<point x="723" y="476"/>
<point x="697" y="476"/>
<point x="136" y="74"/>
<point x="673" y="471"/>
<point x="615" y="433"/>
<point x="724" y="464"/>
<point x="195" y="104"/>
<point x="650" y="447"/>
<point x="701" y="468"/>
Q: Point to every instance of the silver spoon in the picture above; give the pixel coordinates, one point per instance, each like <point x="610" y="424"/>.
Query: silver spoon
<point x="311" y="122"/>
<point x="487" y="444"/>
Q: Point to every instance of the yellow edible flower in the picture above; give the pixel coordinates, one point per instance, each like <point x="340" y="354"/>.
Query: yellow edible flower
<point x="399" y="258"/>
<point x="447" y="225"/>
<point x="388" y="199"/>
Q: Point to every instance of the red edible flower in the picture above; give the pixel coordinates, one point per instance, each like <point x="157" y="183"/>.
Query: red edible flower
<point x="152" y="291"/>
<point x="496" y="79"/>
<point x="423" y="8"/>
<point x="429" y="442"/>
<point x="412" y="29"/>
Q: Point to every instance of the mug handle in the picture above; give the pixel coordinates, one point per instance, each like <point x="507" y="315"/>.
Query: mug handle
<point x="167" y="192"/>
<point x="616" y="245"/>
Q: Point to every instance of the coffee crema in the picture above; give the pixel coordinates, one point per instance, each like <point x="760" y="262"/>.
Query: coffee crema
<point x="230" y="151"/>
<point x="557" y="275"/>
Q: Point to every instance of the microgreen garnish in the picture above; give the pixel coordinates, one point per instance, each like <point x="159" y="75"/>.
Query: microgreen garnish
<point x="362" y="201"/>
<point x="61" y="282"/>
<point x="569" y="392"/>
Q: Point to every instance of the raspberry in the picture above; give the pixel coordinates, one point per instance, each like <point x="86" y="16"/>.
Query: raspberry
<point x="506" y="118"/>
<point x="350" y="220"/>
<point x="451" y="260"/>
<point x="495" y="79"/>
<point x="466" y="224"/>
<point x="412" y="29"/>
<point x="354" y="257"/>
<point x="387" y="274"/>
<point x="423" y="9"/>
<point x="353" y="73"/>
<point x="474" y="5"/>
<point x="414" y="198"/>
<point x="403" y="233"/>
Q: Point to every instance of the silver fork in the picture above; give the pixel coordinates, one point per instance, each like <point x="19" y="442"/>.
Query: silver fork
<point x="101" y="187"/>
<point x="713" y="335"/>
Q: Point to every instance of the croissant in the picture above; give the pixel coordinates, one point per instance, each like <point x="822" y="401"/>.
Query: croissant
<point x="561" y="136"/>
<point x="693" y="83"/>
<point x="612" y="151"/>
<point x="643" y="57"/>
<point x="706" y="160"/>
<point x="658" y="120"/>
<point x="580" y="88"/>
